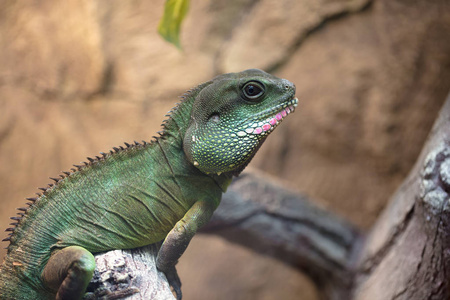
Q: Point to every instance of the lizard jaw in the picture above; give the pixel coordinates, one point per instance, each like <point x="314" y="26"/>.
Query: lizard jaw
<point x="268" y="125"/>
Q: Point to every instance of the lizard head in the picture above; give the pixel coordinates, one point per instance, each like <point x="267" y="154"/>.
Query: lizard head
<point x="232" y="116"/>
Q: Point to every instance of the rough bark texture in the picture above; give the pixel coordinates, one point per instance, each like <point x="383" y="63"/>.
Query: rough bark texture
<point x="407" y="254"/>
<point x="268" y="218"/>
<point x="81" y="76"/>
<point x="129" y="274"/>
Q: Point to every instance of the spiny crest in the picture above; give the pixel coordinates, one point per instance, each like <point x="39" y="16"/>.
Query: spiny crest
<point x="182" y="99"/>
<point x="169" y="114"/>
<point x="56" y="180"/>
<point x="92" y="161"/>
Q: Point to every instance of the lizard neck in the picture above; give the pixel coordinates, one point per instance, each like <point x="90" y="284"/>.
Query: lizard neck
<point x="222" y="180"/>
<point x="174" y="130"/>
<point x="172" y="147"/>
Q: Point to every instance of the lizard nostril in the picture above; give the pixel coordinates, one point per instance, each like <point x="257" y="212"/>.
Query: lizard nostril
<point x="288" y="85"/>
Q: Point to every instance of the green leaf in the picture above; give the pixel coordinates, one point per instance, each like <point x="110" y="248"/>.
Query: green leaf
<point x="169" y="26"/>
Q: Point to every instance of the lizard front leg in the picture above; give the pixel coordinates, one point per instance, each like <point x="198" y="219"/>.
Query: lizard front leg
<point x="178" y="239"/>
<point x="68" y="272"/>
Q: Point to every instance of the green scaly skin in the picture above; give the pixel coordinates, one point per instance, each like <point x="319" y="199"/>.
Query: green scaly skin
<point x="144" y="193"/>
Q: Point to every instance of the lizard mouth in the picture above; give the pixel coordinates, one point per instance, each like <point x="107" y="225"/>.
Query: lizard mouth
<point x="271" y="118"/>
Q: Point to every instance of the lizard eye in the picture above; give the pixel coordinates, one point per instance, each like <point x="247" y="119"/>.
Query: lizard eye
<point x="253" y="91"/>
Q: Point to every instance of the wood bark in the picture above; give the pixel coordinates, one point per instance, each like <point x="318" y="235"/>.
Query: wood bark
<point x="263" y="215"/>
<point x="129" y="274"/>
<point x="407" y="253"/>
<point x="405" y="256"/>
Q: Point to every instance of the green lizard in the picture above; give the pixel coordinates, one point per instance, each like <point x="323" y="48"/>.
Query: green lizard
<point x="144" y="193"/>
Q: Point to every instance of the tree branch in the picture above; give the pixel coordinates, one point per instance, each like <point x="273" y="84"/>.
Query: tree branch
<point x="129" y="274"/>
<point x="268" y="218"/>
<point x="407" y="255"/>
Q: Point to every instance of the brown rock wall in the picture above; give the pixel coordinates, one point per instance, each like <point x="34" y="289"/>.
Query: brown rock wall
<point x="78" y="77"/>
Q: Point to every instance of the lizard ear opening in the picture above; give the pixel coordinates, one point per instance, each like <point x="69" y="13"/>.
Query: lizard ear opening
<point x="215" y="118"/>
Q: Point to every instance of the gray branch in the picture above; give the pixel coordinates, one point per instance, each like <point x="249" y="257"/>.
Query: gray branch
<point x="407" y="253"/>
<point x="268" y="218"/>
<point x="129" y="274"/>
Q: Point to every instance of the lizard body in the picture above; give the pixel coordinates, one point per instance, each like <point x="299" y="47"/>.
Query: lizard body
<point x="144" y="193"/>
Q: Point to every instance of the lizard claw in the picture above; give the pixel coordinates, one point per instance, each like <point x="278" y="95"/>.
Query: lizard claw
<point x="174" y="281"/>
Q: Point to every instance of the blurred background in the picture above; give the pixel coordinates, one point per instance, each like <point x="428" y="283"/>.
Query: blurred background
<point x="80" y="76"/>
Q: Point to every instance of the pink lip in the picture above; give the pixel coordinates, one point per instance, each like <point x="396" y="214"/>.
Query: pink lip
<point x="266" y="127"/>
<point x="257" y="130"/>
<point x="273" y="121"/>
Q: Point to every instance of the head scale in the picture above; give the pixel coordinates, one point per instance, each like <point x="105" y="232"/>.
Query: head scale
<point x="232" y="116"/>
